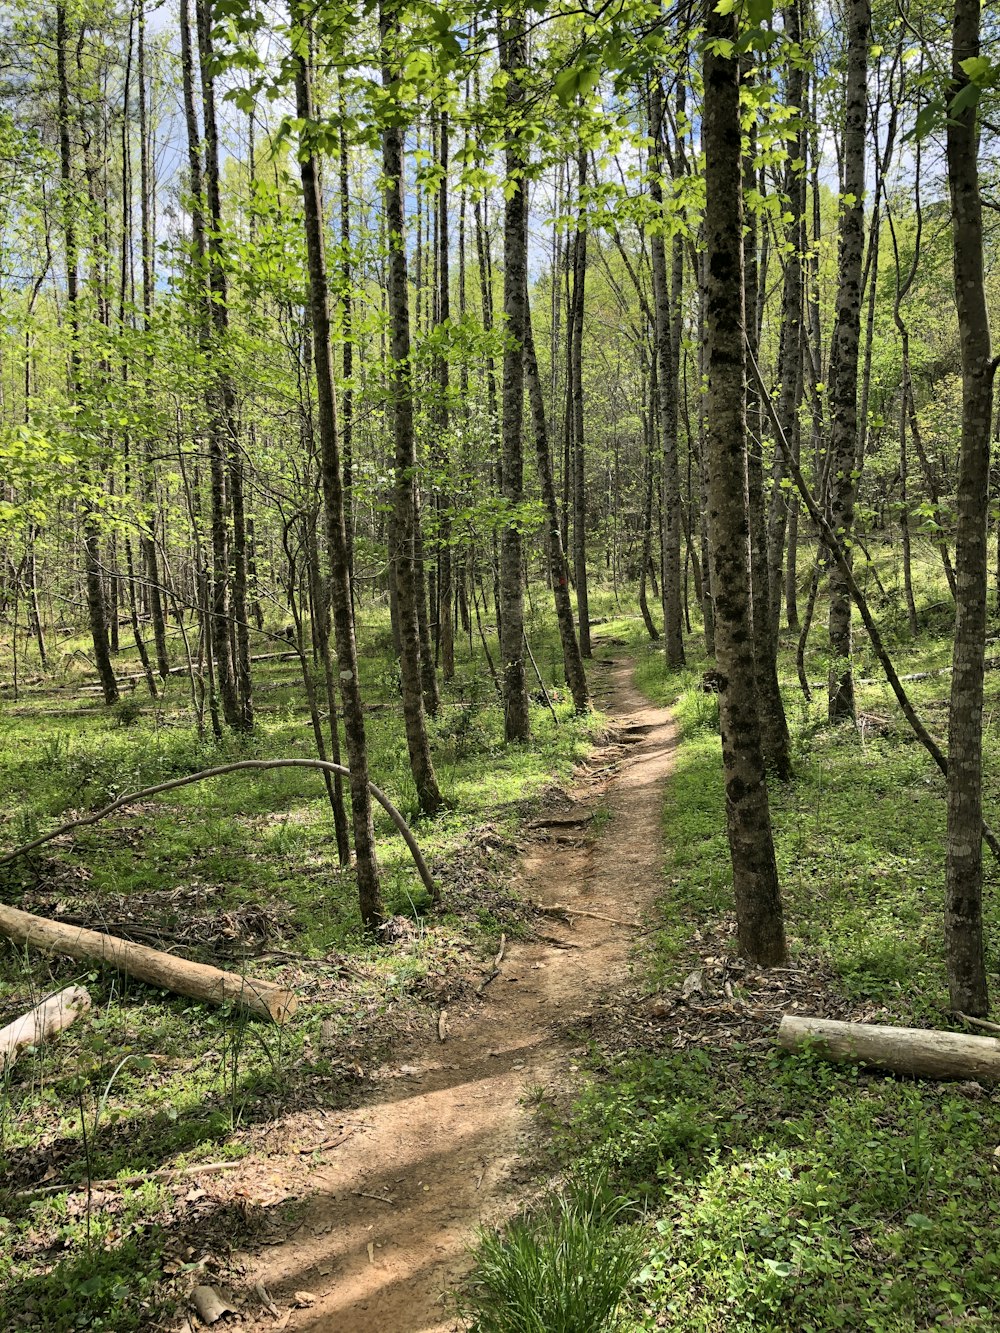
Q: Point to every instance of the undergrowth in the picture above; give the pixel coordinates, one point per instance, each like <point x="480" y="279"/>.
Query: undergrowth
<point x="241" y="872"/>
<point x="784" y="1193"/>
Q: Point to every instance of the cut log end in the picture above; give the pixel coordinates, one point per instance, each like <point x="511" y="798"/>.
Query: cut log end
<point x="42" y="1022"/>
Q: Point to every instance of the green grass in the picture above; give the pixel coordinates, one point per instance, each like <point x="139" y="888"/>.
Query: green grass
<point x="148" y="1080"/>
<point x="564" y="1270"/>
<point x="785" y="1193"/>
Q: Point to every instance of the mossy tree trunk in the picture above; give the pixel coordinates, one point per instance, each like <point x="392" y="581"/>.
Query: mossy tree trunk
<point x="964" y="871"/>
<point x="755" y="876"/>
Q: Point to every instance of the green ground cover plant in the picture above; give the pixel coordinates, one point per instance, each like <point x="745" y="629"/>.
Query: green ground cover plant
<point x="784" y="1193"/>
<point x="241" y="872"/>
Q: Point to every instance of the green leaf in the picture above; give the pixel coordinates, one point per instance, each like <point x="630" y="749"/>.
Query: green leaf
<point x="965" y="97"/>
<point x="779" y="1267"/>
<point x="567" y="84"/>
<point x="977" y="69"/>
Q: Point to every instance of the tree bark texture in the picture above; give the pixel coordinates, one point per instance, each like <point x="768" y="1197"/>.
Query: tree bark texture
<point x="404" y="487"/>
<point x="575" y="341"/>
<point x="667" y="365"/>
<point x="847" y="338"/>
<point x="964" y="868"/>
<point x="755" y="876"/>
<point x="791" y="318"/>
<point x="369" y="893"/>
<point x="914" y="1052"/>
<point x="96" y="606"/>
<point x="576" y="677"/>
<point x="165" y="970"/>
<point x="513" y="57"/>
<point x="773" y="724"/>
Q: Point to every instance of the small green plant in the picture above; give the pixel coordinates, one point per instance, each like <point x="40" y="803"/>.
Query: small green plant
<point x="128" y="711"/>
<point x="564" y="1270"/>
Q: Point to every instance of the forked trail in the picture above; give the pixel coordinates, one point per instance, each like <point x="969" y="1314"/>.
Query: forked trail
<point x="386" y="1233"/>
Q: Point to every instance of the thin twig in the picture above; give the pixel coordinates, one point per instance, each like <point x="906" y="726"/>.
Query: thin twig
<point x="244" y="765"/>
<point x="168" y="1173"/>
<point x="556" y="908"/>
<point x="979" y="1023"/>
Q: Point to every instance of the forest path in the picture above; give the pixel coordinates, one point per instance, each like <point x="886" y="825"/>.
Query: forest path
<point x="385" y="1235"/>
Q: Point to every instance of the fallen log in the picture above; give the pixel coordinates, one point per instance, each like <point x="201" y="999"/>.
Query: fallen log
<point x="241" y="766"/>
<point x="41" y="1023"/>
<point x="198" y="980"/>
<point x="915" y="1051"/>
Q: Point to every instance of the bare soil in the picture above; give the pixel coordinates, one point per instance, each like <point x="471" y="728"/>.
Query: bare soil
<point x="448" y="1144"/>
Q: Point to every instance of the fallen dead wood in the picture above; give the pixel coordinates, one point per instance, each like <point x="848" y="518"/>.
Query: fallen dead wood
<point x="41" y="1023"/>
<point x="138" y="1178"/>
<point x="243" y="766"/>
<point x="557" y="909"/>
<point x="979" y="1023"/>
<point x="915" y="1051"/>
<point x="198" y="980"/>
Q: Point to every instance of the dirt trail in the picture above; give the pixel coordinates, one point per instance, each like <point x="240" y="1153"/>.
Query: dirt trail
<point x="386" y="1233"/>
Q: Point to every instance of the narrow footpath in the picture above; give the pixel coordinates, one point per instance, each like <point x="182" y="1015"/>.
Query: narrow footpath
<point x="386" y="1233"/>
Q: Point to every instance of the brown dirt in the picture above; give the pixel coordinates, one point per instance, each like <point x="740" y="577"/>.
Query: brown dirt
<point x="386" y="1231"/>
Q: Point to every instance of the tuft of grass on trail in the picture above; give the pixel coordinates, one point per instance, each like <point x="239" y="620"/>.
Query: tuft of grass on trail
<point x="784" y="1193"/>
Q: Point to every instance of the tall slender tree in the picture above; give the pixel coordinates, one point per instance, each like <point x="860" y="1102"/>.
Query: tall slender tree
<point x="369" y="891"/>
<point x="513" y="60"/>
<point x="964" y="870"/>
<point x="755" y="876"/>
<point x="847" y="336"/>
<point x="404" y="486"/>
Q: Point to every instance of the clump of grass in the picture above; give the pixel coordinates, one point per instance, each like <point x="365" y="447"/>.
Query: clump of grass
<point x="563" y="1270"/>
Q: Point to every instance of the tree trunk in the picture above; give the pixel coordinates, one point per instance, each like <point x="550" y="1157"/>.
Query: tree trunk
<point x="558" y="570"/>
<point x="163" y="970"/>
<point x="755" y="876"/>
<point x="96" y="607"/>
<point x="232" y="546"/>
<point x="513" y="59"/>
<point x="773" y="725"/>
<point x="333" y="504"/>
<point x="347" y="330"/>
<point x="964" y="870"/>
<point x="147" y="540"/>
<point x="649" y="438"/>
<point x="844" y="381"/>
<point x="576" y="409"/>
<point x="667" y="392"/>
<point x="42" y="1022"/>
<point x="404" y="487"/>
<point x="791" y="319"/>
<point x="445" y="616"/>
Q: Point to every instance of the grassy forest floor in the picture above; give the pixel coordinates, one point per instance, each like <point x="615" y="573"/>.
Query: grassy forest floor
<point x="775" y="1192"/>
